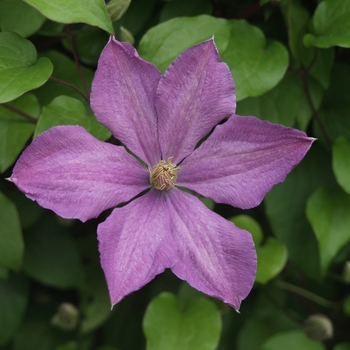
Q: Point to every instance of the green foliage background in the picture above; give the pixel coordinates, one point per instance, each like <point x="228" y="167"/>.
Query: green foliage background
<point x="290" y="62"/>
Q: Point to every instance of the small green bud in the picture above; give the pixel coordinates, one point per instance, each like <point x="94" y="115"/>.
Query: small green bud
<point x="66" y="318"/>
<point x="318" y="327"/>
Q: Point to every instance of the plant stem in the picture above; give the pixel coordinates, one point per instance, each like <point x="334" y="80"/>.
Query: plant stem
<point x="305" y="294"/>
<point x="76" y="59"/>
<point x="19" y="112"/>
<point x="71" y="86"/>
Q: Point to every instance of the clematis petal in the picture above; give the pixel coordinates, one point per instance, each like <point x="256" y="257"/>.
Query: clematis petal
<point x="135" y="244"/>
<point x="215" y="256"/>
<point x="196" y="93"/>
<point x="242" y="159"/>
<point x="77" y="176"/>
<point x="122" y="99"/>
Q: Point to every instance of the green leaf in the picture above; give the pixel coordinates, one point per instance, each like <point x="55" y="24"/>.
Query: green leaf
<point x="290" y="341"/>
<point x="65" y="70"/>
<point x="20" y="71"/>
<point x="93" y="12"/>
<point x="328" y="212"/>
<point x="15" y="130"/>
<point x="36" y="332"/>
<point x="272" y="256"/>
<point x="264" y="322"/>
<point x="88" y="44"/>
<point x="246" y="222"/>
<point x="285" y="209"/>
<point x="65" y="110"/>
<point x="51" y="256"/>
<point x="14" y="295"/>
<point x="331" y="25"/>
<point x="167" y="327"/>
<point x="180" y="8"/>
<point x="164" y="42"/>
<point x="297" y="18"/>
<point x="256" y="66"/>
<point x="11" y="11"/>
<point x="98" y="308"/>
<point x="321" y="67"/>
<point x="335" y="105"/>
<point x="117" y="8"/>
<point x="285" y="104"/>
<point x="341" y="162"/>
<point x="29" y="211"/>
<point x="11" y="241"/>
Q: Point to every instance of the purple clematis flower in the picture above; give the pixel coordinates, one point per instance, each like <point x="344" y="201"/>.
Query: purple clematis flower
<point x="161" y="119"/>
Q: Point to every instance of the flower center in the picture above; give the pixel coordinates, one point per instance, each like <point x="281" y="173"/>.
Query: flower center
<point x="163" y="175"/>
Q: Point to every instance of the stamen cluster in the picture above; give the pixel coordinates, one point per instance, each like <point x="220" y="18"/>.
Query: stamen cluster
<point x="163" y="175"/>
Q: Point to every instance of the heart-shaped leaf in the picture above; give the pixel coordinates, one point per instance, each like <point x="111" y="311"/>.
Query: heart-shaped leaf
<point x="285" y="209"/>
<point x="246" y="222"/>
<point x="164" y="42"/>
<point x="197" y="326"/>
<point x="20" y="71"/>
<point x="256" y="66"/>
<point x="15" y="130"/>
<point x="331" y="25"/>
<point x="272" y="255"/>
<point x="93" y="12"/>
<point x="65" y="110"/>
<point x="292" y="340"/>
<point x="11" y="11"/>
<point x="328" y="212"/>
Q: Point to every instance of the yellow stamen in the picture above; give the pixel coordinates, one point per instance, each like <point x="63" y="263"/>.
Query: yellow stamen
<point x="163" y="175"/>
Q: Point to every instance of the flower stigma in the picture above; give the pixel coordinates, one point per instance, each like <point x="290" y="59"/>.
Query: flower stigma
<point x="163" y="175"/>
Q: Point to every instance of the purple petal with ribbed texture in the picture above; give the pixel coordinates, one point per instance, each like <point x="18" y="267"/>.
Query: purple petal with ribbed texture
<point x="135" y="244"/>
<point x="242" y="159"/>
<point x="215" y="256"/>
<point x="69" y="171"/>
<point x="196" y="93"/>
<point x="122" y="98"/>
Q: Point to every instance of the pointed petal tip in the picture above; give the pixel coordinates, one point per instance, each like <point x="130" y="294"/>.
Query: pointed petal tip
<point x="67" y="170"/>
